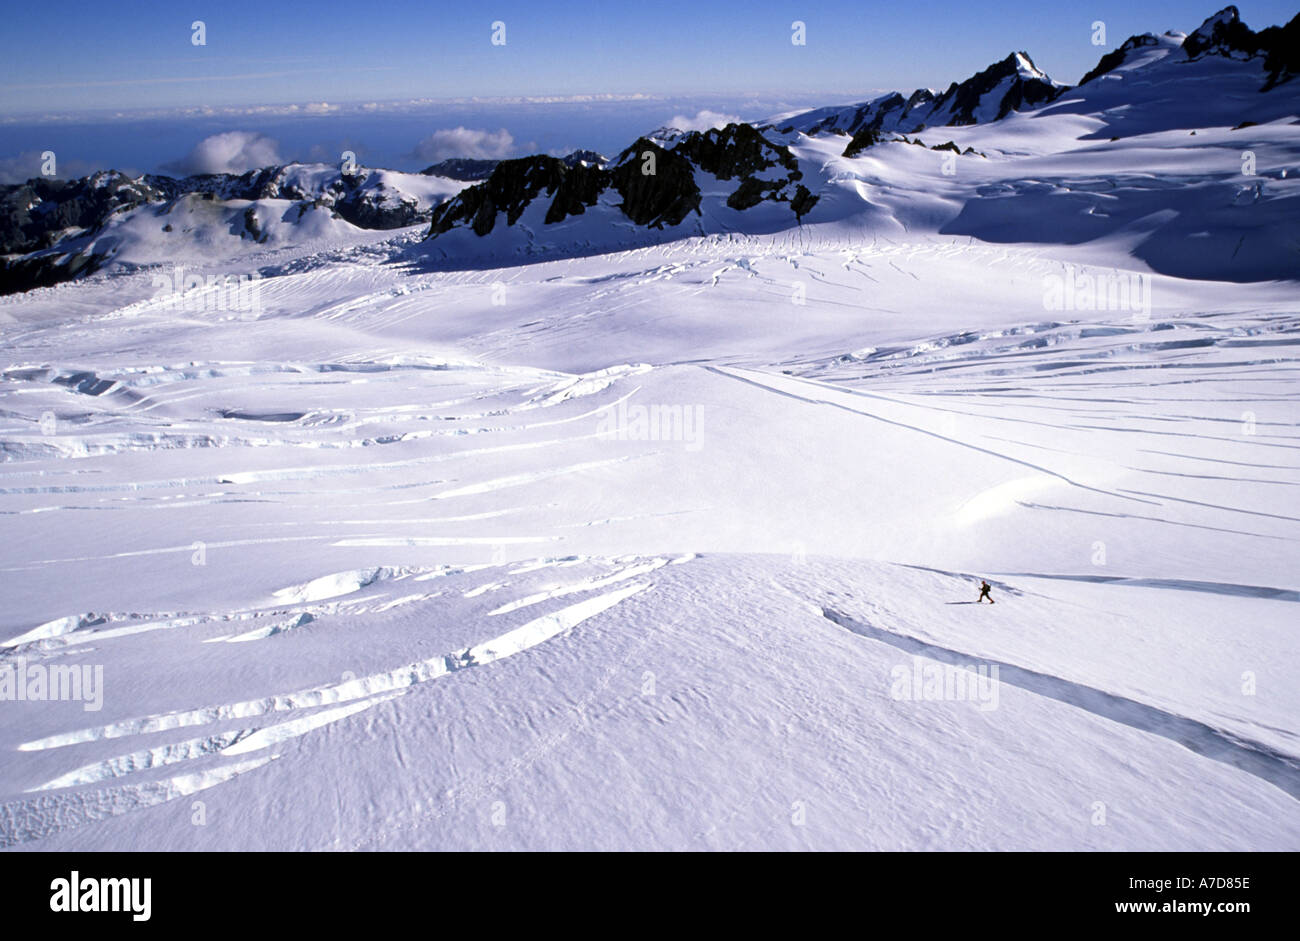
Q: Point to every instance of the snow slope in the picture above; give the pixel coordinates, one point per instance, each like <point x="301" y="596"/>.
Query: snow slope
<point x="650" y="555"/>
<point x="583" y="535"/>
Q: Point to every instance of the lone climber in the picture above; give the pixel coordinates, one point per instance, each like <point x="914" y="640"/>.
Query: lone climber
<point x="984" y="592"/>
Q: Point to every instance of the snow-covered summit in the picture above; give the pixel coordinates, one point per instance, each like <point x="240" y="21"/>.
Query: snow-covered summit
<point x="1219" y="30"/>
<point x="1224" y="34"/>
<point x="1025" y="68"/>
<point x="1011" y="84"/>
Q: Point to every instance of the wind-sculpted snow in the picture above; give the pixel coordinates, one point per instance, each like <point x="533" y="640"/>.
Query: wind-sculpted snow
<point x="341" y="701"/>
<point x="537" y="557"/>
<point x="25" y="821"/>
<point x="513" y="642"/>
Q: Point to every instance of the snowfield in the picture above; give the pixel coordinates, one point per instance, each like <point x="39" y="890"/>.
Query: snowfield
<point x="651" y="556"/>
<point x="590" y="536"/>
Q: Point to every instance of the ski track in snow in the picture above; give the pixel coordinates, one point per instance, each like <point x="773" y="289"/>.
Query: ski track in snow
<point x="1279" y="769"/>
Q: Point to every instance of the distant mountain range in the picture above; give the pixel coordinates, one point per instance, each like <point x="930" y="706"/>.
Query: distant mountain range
<point x="666" y="184"/>
<point x="806" y="168"/>
<point x="474" y="170"/>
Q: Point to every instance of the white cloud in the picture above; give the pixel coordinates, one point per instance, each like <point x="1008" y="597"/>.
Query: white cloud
<point x="465" y="142"/>
<point x="230" y="152"/>
<point x="704" y="121"/>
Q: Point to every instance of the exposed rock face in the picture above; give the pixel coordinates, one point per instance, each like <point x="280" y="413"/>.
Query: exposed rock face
<point x="38" y="213"/>
<point x="25" y="272"/>
<point x="40" y="216"/>
<point x="1016" y="84"/>
<point x="511" y="186"/>
<point x="578" y="189"/>
<point x="656" y="182"/>
<point x="974" y="100"/>
<point x="802" y="201"/>
<point x="666" y="196"/>
<point x="252" y="226"/>
<point x="863" y="139"/>
<point x="1222" y="34"/>
<point x="352" y="195"/>
<point x="918" y="99"/>
<point x="887" y="112"/>
<point x="462" y="168"/>
<point x="1013" y="84"/>
<point x="1117" y="57"/>
<point x="1283" y="60"/>
<point x="868" y="138"/>
<point x="471" y="170"/>
<point x="739" y="151"/>
<point x="588" y="158"/>
<point x="373" y="207"/>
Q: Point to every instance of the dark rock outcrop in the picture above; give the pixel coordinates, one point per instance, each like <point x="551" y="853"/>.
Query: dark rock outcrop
<point x="1282" y="61"/>
<point x="655" y="180"/>
<point x="46" y="225"/>
<point x="1224" y="34"/>
<point x="510" y="188"/>
<point x="37" y="214"/>
<point x="1016" y="81"/>
<point x="666" y="196"/>
<point x="802" y="201"/>
<point x="962" y="102"/>
<point x="867" y="137"/>
<point x="462" y="168"/>
<point x="1117" y="57"/>
<point x="737" y="150"/>
<point x="584" y="158"/>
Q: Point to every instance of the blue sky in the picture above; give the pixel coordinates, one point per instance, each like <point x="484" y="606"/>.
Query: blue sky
<point x="75" y="56"/>
<point x="124" y="87"/>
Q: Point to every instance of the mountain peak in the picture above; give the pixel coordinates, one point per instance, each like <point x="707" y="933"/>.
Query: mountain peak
<point x="1024" y="67"/>
<point x="1222" y="34"/>
<point x="1117" y="57"/>
<point x="1224" y="18"/>
<point x="1009" y="85"/>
